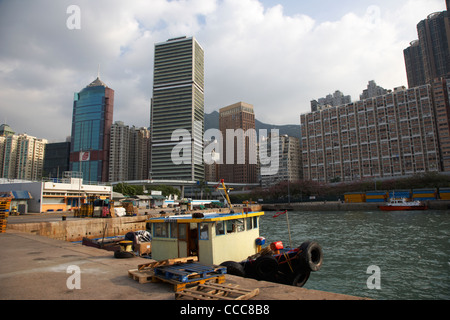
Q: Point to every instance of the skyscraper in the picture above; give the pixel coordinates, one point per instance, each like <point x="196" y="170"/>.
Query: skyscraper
<point x="429" y="57"/>
<point x="241" y="169"/>
<point x="21" y="156"/>
<point x="91" y="128"/>
<point x="434" y="37"/>
<point x="178" y="104"/>
<point x="414" y="64"/>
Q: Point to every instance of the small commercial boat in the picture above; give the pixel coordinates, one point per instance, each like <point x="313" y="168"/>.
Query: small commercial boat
<point x="402" y="204"/>
<point x="232" y="239"/>
<point x="108" y="243"/>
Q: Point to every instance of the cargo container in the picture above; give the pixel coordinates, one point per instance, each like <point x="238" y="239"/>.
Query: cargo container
<point x="354" y="197"/>
<point x="376" y="196"/>
<point x="444" y="193"/>
<point x="424" y="194"/>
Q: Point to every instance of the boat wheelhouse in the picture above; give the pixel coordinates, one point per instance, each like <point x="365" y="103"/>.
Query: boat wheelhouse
<point x="212" y="237"/>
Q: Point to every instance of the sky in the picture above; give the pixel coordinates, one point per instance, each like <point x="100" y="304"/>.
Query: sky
<point x="277" y="55"/>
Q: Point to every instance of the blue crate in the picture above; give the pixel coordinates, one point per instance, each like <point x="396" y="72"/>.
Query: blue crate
<point x="189" y="272"/>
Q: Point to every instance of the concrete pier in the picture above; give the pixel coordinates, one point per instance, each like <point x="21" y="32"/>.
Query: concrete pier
<point x="36" y="264"/>
<point x="34" y="267"/>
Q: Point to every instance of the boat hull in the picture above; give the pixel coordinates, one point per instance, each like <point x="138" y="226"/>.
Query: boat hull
<point x="402" y="208"/>
<point x="111" y="244"/>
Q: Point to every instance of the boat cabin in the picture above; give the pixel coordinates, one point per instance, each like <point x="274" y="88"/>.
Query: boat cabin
<point x="213" y="237"/>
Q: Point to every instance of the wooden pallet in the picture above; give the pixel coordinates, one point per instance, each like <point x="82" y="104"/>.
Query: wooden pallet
<point x="214" y="291"/>
<point x="141" y="276"/>
<point x="180" y="286"/>
<point x="168" y="262"/>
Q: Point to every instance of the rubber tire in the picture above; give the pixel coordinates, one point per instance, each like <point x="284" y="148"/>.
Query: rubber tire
<point x="123" y="254"/>
<point x="301" y="278"/>
<point x="266" y="267"/>
<point x="311" y="256"/>
<point x="234" y="268"/>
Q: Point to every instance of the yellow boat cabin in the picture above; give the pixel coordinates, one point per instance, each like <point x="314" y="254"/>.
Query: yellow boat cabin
<point x="212" y="237"/>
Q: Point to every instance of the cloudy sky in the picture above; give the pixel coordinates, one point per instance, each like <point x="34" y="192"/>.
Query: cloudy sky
<point x="275" y="54"/>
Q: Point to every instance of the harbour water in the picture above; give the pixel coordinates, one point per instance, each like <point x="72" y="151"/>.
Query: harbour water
<point x="411" y="250"/>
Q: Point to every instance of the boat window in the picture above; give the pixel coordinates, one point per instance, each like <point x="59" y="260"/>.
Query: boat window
<point x="204" y="231"/>
<point x="230" y="226"/>
<point x="240" y="225"/>
<point x="161" y="230"/>
<point x="173" y="230"/>
<point x="220" y="228"/>
<point x="249" y="223"/>
<point x="236" y="225"/>
<point x="255" y="222"/>
<point x="182" y="227"/>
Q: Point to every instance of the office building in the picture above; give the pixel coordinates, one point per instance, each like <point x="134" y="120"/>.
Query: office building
<point x="91" y="126"/>
<point x="178" y="107"/>
<point x="239" y="163"/>
<point x="386" y="136"/>
<point x="56" y="160"/>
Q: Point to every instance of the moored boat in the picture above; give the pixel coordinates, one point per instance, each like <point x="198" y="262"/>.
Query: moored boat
<point x="402" y="204"/>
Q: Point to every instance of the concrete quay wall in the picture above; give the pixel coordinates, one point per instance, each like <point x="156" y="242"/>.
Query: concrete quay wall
<point x="75" y="230"/>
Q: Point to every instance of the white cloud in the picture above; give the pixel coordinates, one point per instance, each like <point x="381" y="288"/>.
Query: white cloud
<point x="276" y="60"/>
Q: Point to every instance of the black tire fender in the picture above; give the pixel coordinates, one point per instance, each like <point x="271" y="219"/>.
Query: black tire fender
<point x="266" y="266"/>
<point x="301" y="278"/>
<point x="234" y="268"/>
<point x="311" y="255"/>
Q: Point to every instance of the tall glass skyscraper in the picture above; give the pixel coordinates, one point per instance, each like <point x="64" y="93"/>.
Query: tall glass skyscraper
<point x="178" y="104"/>
<point x="91" y="127"/>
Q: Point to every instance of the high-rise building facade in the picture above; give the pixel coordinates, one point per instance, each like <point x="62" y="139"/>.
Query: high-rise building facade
<point x="178" y="107"/>
<point x="129" y="153"/>
<point x="386" y="136"/>
<point x="56" y="160"/>
<point x="289" y="160"/>
<point x="239" y="164"/>
<point x="139" y="155"/>
<point x="414" y="64"/>
<point x="428" y="58"/>
<point x="91" y="127"/>
<point x="441" y="95"/>
<point x="22" y="157"/>
<point x="434" y="37"/>
<point x="119" y="152"/>
<point x="331" y="100"/>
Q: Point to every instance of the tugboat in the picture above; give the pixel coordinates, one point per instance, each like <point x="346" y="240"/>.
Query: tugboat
<point x="402" y="204"/>
<point x="232" y="239"/>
